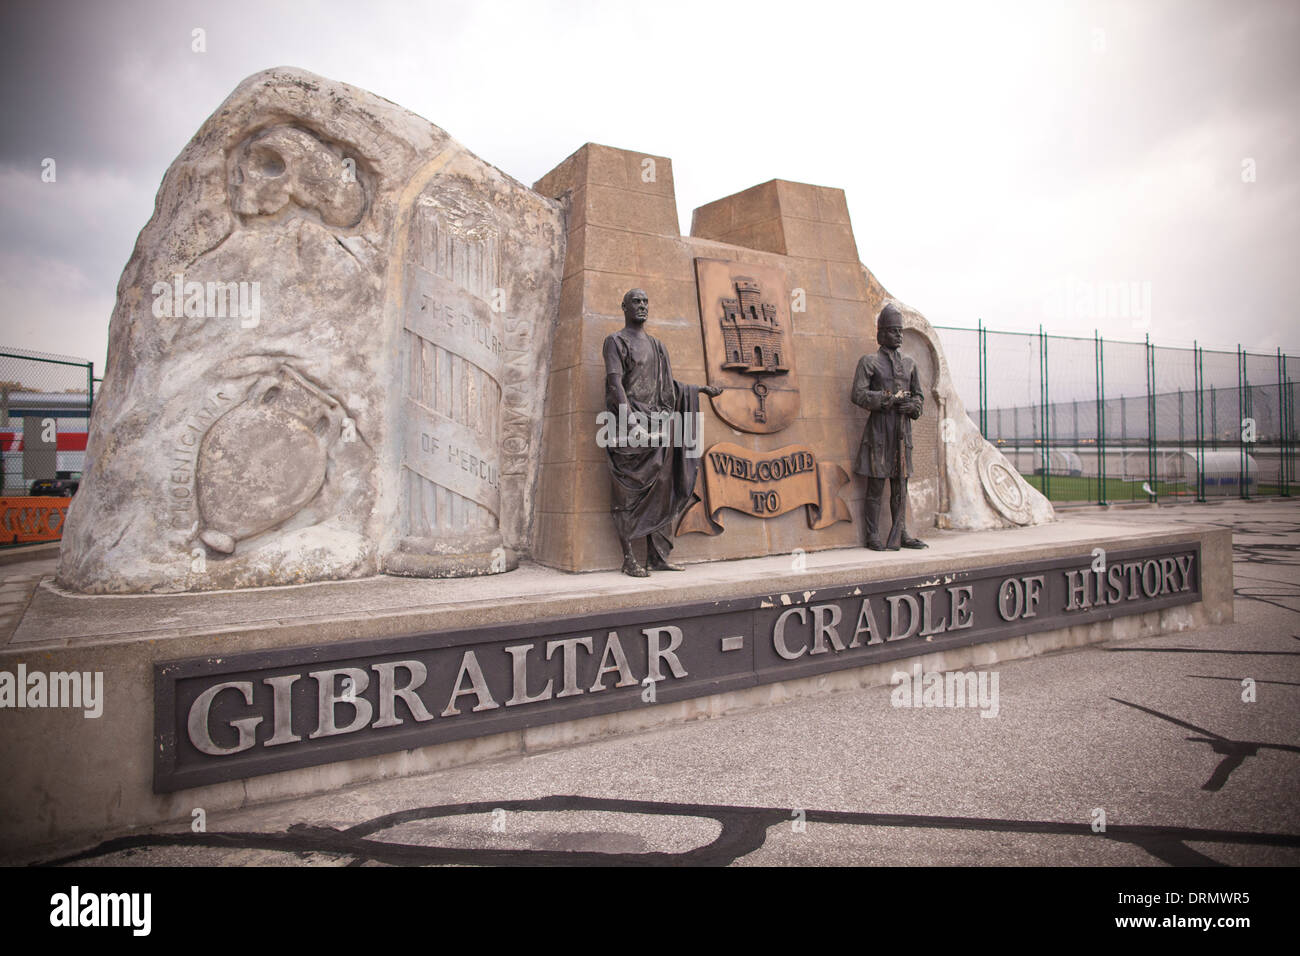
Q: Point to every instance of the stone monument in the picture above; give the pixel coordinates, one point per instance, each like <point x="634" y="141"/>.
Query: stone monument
<point x="326" y="359"/>
<point x="332" y="357"/>
<point x="766" y="298"/>
<point x="348" y="353"/>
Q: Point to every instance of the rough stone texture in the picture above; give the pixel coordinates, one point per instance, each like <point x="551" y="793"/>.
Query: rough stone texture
<point x="621" y="234"/>
<point x="270" y="444"/>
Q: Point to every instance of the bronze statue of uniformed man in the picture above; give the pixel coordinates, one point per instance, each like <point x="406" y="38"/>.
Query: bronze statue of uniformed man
<point x="653" y="476"/>
<point x="886" y="383"/>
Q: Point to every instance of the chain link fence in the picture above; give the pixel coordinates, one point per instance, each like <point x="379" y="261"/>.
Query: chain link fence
<point x="45" y="403"/>
<point x="1091" y="420"/>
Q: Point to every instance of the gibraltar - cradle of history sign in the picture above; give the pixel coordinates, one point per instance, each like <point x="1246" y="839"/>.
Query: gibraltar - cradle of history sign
<point x="258" y="713"/>
<point x="352" y="362"/>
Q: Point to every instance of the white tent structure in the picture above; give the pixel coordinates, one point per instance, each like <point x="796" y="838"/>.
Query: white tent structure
<point x="1061" y="462"/>
<point x="1222" y="469"/>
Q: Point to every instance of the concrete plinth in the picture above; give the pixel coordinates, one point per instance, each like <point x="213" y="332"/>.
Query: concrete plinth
<point x="70" y="775"/>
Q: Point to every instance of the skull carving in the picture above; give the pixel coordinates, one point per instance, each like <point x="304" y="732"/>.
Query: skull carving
<point x="283" y="165"/>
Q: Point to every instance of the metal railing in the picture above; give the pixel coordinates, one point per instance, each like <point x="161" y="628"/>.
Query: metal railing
<point x="1101" y="420"/>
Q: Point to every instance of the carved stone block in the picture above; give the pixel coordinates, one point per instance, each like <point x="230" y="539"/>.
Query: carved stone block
<point x="327" y="358"/>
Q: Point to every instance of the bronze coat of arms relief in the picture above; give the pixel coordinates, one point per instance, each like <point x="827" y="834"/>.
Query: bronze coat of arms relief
<point x="748" y="344"/>
<point x="749" y="354"/>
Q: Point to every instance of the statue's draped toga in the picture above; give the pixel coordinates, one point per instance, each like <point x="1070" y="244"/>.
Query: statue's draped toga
<point x="653" y="484"/>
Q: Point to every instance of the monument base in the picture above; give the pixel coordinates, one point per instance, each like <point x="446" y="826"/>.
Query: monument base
<point x="225" y="699"/>
<point x="465" y="556"/>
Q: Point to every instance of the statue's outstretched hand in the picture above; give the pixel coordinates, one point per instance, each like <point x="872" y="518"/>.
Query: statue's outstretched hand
<point x="711" y="390"/>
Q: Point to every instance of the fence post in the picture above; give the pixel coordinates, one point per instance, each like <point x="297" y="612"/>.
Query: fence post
<point x="1283" y="488"/>
<point x="1290" y="427"/>
<point x="1046" y="427"/>
<point x="1182" y="434"/>
<point x="1288" y="406"/>
<point x="1198" y="377"/>
<point x="1151" y="419"/>
<point x="1100" y="355"/>
<point x="980" y="334"/>
<point x="1238" y="426"/>
<point x="1214" y="418"/>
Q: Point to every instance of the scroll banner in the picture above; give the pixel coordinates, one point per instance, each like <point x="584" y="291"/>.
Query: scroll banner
<point x="451" y="455"/>
<point x="441" y="312"/>
<point x="766" y="485"/>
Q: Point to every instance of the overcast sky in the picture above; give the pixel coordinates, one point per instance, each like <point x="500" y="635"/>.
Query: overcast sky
<point x="1006" y="161"/>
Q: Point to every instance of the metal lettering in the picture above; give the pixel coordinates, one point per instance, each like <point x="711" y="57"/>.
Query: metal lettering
<point x="570" y="646"/>
<point x="327" y="699"/>
<point x="778" y="633"/>
<point x="822" y="628"/>
<point x="895" y="601"/>
<point x="620" y="666"/>
<point x="867" y="625"/>
<point x="1077" y="591"/>
<point x="927" y="616"/>
<point x="658" y="653"/>
<point x="470" y="667"/>
<point x="281" y="710"/>
<point x="389" y="692"/>
<point x="198" y="720"/>
<point x="962" y="615"/>
<point x="519" y="671"/>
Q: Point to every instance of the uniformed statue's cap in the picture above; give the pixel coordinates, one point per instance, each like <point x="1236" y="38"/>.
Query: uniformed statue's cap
<point x="889" y="317"/>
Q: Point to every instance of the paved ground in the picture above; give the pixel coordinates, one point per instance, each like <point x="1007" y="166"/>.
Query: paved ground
<point x="1154" y="733"/>
<point x="17" y="582"/>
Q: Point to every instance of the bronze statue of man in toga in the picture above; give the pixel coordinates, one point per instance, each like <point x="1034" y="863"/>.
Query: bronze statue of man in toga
<point x="653" y="476"/>
<point x="886" y="383"/>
